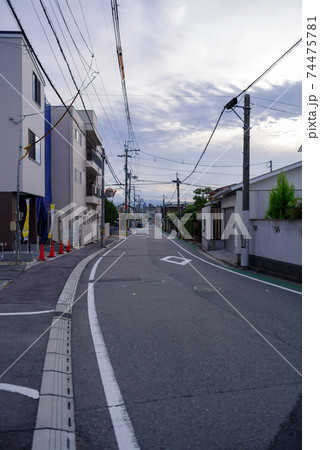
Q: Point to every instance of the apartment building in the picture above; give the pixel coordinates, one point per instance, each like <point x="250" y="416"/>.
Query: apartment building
<point x="76" y="176"/>
<point x="21" y="123"/>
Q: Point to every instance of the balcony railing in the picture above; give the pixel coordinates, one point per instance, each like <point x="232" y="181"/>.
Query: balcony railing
<point x="92" y="156"/>
<point x="93" y="191"/>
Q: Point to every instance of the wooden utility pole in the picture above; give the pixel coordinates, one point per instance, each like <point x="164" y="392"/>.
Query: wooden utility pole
<point x="246" y="182"/>
<point x="103" y="231"/>
<point x="178" y="193"/>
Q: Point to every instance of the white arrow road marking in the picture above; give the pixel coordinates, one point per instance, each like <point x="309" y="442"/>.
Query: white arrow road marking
<point x="33" y="393"/>
<point x="179" y="261"/>
<point x="27" y="313"/>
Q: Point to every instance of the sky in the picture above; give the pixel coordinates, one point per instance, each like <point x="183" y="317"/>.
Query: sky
<point x="183" y="61"/>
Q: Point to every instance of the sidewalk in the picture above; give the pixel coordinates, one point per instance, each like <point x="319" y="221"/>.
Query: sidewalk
<point x="27" y="304"/>
<point x="9" y="271"/>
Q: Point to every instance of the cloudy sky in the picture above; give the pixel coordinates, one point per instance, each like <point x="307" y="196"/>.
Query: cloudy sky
<point x="184" y="60"/>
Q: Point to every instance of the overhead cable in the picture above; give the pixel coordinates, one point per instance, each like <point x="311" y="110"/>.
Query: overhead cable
<point x="207" y="144"/>
<point x="270" y="67"/>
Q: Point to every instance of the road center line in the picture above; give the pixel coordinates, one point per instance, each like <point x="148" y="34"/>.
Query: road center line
<point x="121" y="422"/>
<point x="236" y="273"/>
<point x="244" y="318"/>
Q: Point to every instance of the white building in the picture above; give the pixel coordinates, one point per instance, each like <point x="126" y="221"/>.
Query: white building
<point x="21" y="122"/>
<point x="76" y="176"/>
<point x="268" y="246"/>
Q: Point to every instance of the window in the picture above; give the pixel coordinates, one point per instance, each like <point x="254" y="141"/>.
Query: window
<point x="35" y="149"/>
<point x="77" y="176"/>
<point x="36" y="89"/>
<point x="78" y="136"/>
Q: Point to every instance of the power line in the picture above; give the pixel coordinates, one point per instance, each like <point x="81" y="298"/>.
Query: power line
<point x="42" y="67"/>
<point x="274" y="109"/>
<point x="53" y="52"/>
<point x="115" y="18"/>
<point x="103" y="85"/>
<point x="272" y="101"/>
<point x="70" y="71"/>
<point x="270" y="67"/>
<point x="82" y="59"/>
<point x="207" y="144"/>
<point x="232" y="103"/>
<point x="78" y="28"/>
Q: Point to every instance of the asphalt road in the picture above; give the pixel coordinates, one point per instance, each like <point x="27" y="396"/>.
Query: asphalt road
<point x="171" y="351"/>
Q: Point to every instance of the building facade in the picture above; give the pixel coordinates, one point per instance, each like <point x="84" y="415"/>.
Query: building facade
<point x="21" y="124"/>
<point x="269" y="243"/>
<point x="76" y="176"/>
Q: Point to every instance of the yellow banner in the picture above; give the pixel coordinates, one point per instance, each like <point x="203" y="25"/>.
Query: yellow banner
<point x="51" y="224"/>
<point x="25" y="231"/>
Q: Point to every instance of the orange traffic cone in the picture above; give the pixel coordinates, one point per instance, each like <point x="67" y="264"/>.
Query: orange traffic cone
<point x="41" y="254"/>
<point x="61" y="252"/>
<point x="68" y="246"/>
<point x="51" y="254"/>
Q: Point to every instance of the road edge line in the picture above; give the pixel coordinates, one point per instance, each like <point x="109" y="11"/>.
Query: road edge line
<point x="55" y="422"/>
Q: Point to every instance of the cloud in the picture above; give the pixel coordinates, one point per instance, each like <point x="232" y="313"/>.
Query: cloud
<point x="184" y="60"/>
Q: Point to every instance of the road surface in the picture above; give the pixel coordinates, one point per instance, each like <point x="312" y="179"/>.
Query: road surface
<point x="172" y="351"/>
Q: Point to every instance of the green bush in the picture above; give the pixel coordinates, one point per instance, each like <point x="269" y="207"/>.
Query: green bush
<point x="110" y="212"/>
<point x="283" y="204"/>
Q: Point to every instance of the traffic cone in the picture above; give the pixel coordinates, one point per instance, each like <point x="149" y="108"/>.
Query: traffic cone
<point x="61" y="252"/>
<point x="41" y="254"/>
<point x="68" y="246"/>
<point x="51" y="254"/>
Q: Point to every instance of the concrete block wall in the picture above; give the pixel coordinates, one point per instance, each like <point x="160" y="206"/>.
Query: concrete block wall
<point x="276" y="246"/>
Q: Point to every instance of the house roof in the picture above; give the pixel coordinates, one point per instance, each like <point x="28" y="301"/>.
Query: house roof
<point x="224" y="192"/>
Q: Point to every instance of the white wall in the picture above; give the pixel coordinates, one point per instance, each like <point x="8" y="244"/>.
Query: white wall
<point x="16" y="101"/>
<point x="280" y="240"/>
<point x="11" y="103"/>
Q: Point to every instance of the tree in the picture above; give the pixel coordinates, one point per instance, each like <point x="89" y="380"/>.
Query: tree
<point x="282" y="200"/>
<point x="110" y="212"/>
<point x="201" y="197"/>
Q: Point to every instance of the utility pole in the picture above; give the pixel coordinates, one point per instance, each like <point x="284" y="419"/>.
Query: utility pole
<point x="246" y="182"/>
<point x="126" y="156"/>
<point x="102" y="199"/>
<point x="178" y="199"/>
<point x="163" y="206"/>
<point x="178" y="193"/>
<point x="126" y="179"/>
<point x="18" y="231"/>
<point x="129" y="190"/>
<point x="270" y="165"/>
<point x="134" y="198"/>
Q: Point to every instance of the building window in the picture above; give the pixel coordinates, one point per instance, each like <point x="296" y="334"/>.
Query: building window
<point x="78" y="136"/>
<point x="35" y="149"/>
<point x="77" y="176"/>
<point x="36" y="89"/>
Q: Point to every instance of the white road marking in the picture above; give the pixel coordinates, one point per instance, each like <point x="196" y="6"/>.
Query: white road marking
<point x="236" y="273"/>
<point x="121" y="422"/>
<point x="120" y="243"/>
<point x="94" y="268"/>
<point x="27" y="313"/>
<point x="33" y="393"/>
<point x="180" y="262"/>
<point x="245" y="319"/>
